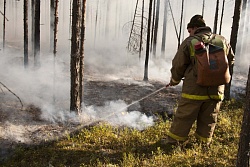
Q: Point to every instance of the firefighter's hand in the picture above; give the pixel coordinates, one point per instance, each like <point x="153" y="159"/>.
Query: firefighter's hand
<point x="173" y="82"/>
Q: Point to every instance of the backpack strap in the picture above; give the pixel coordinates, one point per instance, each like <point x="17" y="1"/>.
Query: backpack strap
<point x="205" y="38"/>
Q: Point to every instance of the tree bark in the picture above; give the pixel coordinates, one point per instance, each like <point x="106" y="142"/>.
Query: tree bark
<point x="55" y="27"/>
<point x="52" y="23"/>
<point x="25" y="28"/>
<point x="83" y="27"/>
<point x="4" y="22"/>
<point x="244" y="150"/>
<point x="148" y="42"/>
<point x="233" y="41"/>
<point x="75" y="99"/>
<point x="203" y="8"/>
<point x="37" y="34"/>
<point x="179" y="36"/>
<point x="216" y="17"/>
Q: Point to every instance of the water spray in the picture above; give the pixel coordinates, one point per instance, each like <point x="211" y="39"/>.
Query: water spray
<point x="122" y="110"/>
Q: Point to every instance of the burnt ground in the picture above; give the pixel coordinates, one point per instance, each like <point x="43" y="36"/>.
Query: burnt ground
<point x="24" y="125"/>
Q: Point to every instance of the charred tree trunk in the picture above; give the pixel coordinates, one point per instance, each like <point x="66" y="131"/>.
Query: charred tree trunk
<point x="148" y="42"/>
<point x="83" y="27"/>
<point x="203" y="8"/>
<point x="216" y="17"/>
<point x="55" y="27"/>
<point x="244" y="150"/>
<point x="25" y="29"/>
<point x="163" y="44"/>
<point x="37" y="34"/>
<point x="75" y="99"/>
<point x="233" y="41"/>
<point x="33" y="24"/>
<point x="52" y="23"/>
<point x="222" y="14"/>
<point x="4" y="22"/>
<point x="179" y="36"/>
<point x="156" y="27"/>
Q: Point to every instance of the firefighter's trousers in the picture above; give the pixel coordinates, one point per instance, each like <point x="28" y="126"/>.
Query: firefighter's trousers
<point x="204" y="112"/>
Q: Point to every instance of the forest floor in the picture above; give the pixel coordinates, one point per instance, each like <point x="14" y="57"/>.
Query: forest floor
<point x="24" y="126"/>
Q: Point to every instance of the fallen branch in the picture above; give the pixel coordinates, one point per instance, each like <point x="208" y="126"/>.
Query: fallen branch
<point x="12" y="93"/>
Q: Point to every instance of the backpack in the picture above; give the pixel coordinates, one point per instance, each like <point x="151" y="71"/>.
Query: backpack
<point x="211" y="61"/>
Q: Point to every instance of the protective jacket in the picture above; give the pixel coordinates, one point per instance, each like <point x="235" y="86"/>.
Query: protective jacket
<point x="183" y="67"/>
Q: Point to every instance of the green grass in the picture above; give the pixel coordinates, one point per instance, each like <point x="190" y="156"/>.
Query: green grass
<point x="106" y="146"/>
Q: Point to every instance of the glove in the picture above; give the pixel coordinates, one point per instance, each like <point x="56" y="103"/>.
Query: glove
<point x="173" y="82"/>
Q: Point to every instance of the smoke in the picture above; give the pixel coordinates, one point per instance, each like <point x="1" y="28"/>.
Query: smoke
<point x="115" y="113"/>
<point x="106" y="58"/>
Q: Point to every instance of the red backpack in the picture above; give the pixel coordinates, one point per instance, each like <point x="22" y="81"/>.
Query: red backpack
<point x="210" y="60"/>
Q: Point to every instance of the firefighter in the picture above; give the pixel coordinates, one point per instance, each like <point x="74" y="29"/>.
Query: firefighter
<point x="197" y="103"/>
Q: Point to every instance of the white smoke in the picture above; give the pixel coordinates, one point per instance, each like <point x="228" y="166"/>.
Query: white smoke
<point x="115" y="113"/>
<point x="106" y="58"/>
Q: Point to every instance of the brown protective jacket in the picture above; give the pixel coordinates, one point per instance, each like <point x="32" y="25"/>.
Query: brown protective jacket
<point x="183" y="68"/>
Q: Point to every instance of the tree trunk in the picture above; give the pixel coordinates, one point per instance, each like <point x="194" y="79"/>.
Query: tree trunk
<point x="153" y="25"/>
<point x="179" y="36"/>
<point x="243" y="151"/>
<point x="37" y="34"/>
<point x="55" y="27"/>
<point x="25" y="28"/>
<point x="148" y="42"/>
<point x="142" y="24"/>
<point x="33" y="24"/>
<point x="4" y="22"/>
<point x="203" y="7"/>
<point x="233" y="40"/>
<point x="163" y="44"/>
<point x="83" y="26"/>
<point x="222" y="14"/>
<point x="52" y="23"/>
<point x="156" y="27"/>
<point x="216" y="17"/>
<point x="75" y="99"/>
